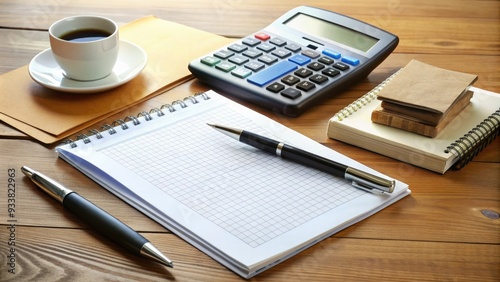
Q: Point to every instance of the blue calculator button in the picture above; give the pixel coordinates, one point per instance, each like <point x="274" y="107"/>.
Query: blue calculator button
<point x="273" y="72"/>
<point x="300" y="59"/>
<point x="331" y="53"/>
<point x="350" y="61"/>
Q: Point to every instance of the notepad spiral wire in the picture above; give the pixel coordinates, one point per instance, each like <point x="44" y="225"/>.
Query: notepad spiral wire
<point x="473" y="142"/>
<point x="363" y="100"/>
<point x="134" y="120"/>
<point x="466" y="147"/>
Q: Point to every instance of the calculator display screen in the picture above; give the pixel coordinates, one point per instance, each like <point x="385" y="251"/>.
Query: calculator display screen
<point x="331" y="31"/>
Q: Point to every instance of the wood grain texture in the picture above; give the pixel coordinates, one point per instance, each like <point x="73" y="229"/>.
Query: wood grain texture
<point x="438" y="233"/>
<point x="425" y="26"/>
<point x="456" y="198"/>
<point x="84" y="255"/>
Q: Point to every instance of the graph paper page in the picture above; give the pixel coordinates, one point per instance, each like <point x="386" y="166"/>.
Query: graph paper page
<point x="245" y="203"/>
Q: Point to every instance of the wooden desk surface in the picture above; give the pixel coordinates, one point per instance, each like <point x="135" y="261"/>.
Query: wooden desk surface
<point x="438" y="233"/>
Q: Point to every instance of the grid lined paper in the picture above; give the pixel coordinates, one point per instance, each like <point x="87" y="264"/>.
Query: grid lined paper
<point x="251" y="194"/>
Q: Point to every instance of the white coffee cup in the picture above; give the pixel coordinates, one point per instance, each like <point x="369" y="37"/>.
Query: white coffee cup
<point x="85" y="47"/>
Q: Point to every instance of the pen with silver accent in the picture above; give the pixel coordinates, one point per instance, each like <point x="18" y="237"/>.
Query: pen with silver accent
<point x="360" y="179"/>
<point x="110" y="226"/>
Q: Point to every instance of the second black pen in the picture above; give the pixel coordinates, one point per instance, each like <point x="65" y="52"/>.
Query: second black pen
<point x="359" y="178"/>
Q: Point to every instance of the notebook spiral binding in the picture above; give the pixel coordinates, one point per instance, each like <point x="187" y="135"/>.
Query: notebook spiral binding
<point x="473" y="142"/>
<point x="363" y="100"/>
<point x="134" y="120"/>
<point x="466" y="147"/>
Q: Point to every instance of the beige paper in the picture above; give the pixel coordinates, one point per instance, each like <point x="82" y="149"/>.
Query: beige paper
<point x="426" y="87"/>
<point x="50" y="116"/>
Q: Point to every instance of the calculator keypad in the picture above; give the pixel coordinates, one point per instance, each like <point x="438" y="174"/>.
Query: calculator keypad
<point x="280" y="66"/>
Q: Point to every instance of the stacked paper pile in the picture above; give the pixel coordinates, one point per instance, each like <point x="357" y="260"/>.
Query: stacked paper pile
<point x="423" y="99"/>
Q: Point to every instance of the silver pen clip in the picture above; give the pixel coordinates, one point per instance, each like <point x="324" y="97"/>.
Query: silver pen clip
<point x="369" y="182"/>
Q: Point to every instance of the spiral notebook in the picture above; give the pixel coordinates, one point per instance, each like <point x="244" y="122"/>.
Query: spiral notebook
<point x="245" y="208"/>
<point x="457" y="144"/>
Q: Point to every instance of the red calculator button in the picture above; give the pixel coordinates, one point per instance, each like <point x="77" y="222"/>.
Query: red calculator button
<point x="262" y="36"/>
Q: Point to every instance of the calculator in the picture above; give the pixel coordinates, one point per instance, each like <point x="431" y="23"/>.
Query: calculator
<point x="304" y="56"/>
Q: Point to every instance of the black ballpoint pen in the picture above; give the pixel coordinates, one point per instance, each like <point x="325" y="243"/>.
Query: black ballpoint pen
<point x="360" y="179"/>
<point x="110" y="226"/>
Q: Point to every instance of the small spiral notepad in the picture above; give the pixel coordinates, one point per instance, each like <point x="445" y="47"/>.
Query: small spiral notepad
<point x="469" y="133"/>
<point x="244" y="207"/>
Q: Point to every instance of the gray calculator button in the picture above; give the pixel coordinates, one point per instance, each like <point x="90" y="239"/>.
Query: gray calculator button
<point x="266" y="47"/>
<point x="293" y="47"/>
<point x="268" y="59"/>
<point x="255" y="66"/>
<point x="278" y="41"/>
<point x="238" y="59"/>
<point x="223" y="54"/>
<point x="252" y="53"/>
<point x="281" y="53"/>
<point x="251" y="41"/>
<point x="238" y="48"/>
<point x="310" y="53"/>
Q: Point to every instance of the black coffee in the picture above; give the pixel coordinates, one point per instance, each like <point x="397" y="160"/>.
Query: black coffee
<point x="85" y="35"/>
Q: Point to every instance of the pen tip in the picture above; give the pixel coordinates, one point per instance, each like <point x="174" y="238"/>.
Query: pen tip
<point x="148" y="250"/>
<point x="210" y="124"/>
<point x="27" y="171"/>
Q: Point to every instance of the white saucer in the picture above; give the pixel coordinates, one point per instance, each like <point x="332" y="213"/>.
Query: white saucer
<point x="131" y="61"/>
